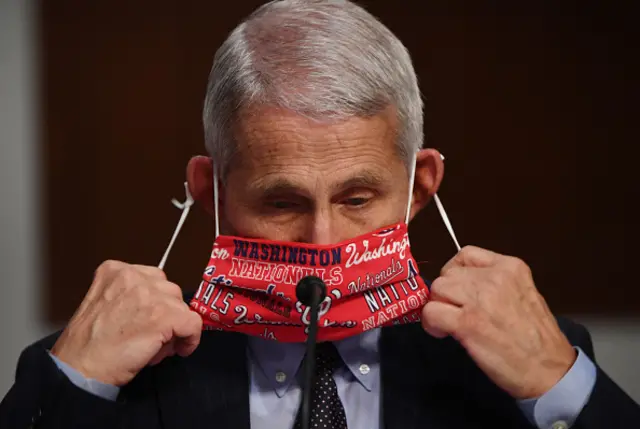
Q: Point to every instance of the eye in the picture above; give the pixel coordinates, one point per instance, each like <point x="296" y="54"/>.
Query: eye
<point x="283" y="205"/>
<point x="355" y="201"/>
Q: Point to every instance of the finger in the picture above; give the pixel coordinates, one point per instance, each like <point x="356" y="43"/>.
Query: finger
<point x="164" y="352"/>
<point x="188" y="332"/>
<point x="471" y="256"/>
<point x="456" y="290"/>
<point x="440" y="319"/>
<point x="185" y="346"/>
<point x="103" y="276"/>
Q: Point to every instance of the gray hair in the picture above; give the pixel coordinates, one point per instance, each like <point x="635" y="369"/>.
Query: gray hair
<point x="324" y="59"/>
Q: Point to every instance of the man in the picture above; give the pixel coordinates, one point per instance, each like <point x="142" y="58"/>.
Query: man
<point x="313" y="123"/>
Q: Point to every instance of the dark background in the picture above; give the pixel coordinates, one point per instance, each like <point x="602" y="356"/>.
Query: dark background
<point x="533" y="104"/>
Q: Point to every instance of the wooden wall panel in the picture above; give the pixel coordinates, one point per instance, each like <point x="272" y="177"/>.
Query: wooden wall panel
<point x="530" y="103"/>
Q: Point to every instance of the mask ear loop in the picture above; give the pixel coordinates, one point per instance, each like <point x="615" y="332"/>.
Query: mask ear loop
<point x="185" y="207"/>
<point x="215" y="201"/>
<point x="445" y="218"/>
<point x="441" y="210"/>
<point x="412" y="180"/>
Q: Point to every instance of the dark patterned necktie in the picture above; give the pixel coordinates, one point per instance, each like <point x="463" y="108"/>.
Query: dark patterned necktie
<point x="327" y="411"/>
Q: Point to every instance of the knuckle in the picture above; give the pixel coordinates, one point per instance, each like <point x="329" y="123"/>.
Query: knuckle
<point x="174" y="290"/>
<point x="515" y="269"/>
<point x="513" y="263"/>
<point x="157" y="272"/>
<point x="466" y="250"/>
<point x="521" y="268"/>
<point x="469" y="250"/>
<point x="108" y="266"/>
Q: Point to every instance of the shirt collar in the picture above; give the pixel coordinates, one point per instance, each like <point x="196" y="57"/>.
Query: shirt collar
<point x="279" y="362"/>
<point x="360" y="355"/>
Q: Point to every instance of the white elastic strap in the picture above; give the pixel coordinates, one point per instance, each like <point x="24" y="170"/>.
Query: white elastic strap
<point x="445" y="219"/>
<point x="412" y="180"/>
<point x="185" y="207"/>
<point x="215" y="201"/>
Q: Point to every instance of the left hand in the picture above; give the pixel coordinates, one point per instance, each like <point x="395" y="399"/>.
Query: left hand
<point x="489" y="303"/>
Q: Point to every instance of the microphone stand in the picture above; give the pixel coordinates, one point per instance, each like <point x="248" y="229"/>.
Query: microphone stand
<point x="313" y="291"/>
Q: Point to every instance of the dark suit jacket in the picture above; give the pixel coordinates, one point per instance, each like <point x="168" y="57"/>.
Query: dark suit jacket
<point x="426" y="383"/>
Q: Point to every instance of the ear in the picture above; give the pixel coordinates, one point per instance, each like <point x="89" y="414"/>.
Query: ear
<point x="429" y="174"/>
<point x="200" y="181"/>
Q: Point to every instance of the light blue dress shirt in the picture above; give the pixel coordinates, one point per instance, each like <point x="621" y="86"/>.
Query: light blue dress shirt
<point x="275" y="381"/>
<point x="275" y="386"/>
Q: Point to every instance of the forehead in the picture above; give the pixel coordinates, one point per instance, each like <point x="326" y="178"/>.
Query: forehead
<point x="275" y="143"/>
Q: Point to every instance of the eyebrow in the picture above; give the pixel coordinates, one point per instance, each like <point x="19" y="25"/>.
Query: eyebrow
<point x="363" y="179"/>
<point x="282" y="185"/>
<point x="278" y="186"/>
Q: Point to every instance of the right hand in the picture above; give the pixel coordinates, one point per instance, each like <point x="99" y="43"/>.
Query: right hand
<point x="130" y="318"/>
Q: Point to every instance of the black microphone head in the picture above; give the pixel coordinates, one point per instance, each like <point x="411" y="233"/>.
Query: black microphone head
<point x="306" y="287"/>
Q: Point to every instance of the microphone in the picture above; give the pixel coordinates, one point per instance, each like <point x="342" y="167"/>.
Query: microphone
<point x="310" y="291"/>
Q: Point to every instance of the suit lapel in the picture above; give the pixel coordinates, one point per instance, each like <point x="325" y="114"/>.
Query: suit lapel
<point x="425" y="381"/>
<point x="432" y="383"/>
<point x="402" y="373"/>
<point x="209" y="388"/>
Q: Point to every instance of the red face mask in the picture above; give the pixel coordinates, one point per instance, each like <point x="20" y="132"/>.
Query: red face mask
<point x="249" y="285"/>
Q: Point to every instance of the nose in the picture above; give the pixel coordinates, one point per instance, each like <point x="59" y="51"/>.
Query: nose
<point x="319" y="229"/>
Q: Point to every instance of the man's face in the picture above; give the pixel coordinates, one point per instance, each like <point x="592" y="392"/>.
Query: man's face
<point x="298" y="180"/>
<point x="294" y="179"/>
